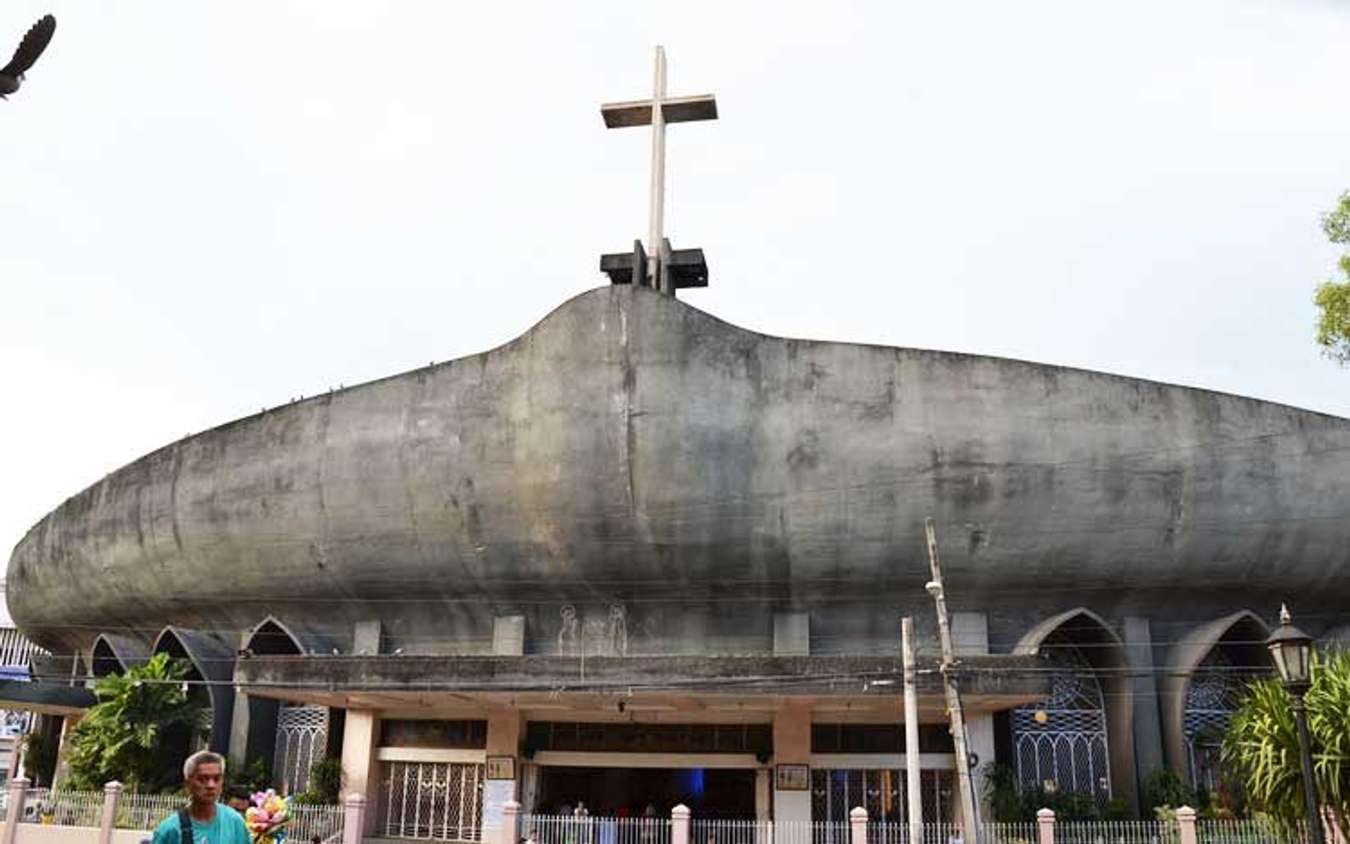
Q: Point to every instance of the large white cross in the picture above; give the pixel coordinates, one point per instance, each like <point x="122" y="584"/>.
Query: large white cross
<point x="657" y="112"/>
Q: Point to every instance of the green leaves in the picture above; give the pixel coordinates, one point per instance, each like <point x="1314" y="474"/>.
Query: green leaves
<point x="1336" y="223"/>
<point x="127" y="735"/>
<point x="1332" y="297"/>
<point x="1262" y="744"/>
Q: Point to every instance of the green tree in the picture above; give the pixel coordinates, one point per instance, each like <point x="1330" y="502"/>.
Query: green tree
<point x="1333" y="297"/>
<point x="128" y="734"/>
<point x="1262" y="749"/>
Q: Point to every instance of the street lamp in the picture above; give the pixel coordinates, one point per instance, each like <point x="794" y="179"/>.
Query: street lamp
<point x="1291" y="649"/>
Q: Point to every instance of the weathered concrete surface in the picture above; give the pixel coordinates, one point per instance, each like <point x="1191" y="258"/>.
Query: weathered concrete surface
<point x="1009" y="678"/>
<point x="631" y="449"/>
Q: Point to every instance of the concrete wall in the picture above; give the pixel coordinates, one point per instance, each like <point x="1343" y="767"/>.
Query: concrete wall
<point x="630" y="445"/>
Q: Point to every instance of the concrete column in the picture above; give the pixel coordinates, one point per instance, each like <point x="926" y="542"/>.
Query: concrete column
<point x="112" y="794"/>
<point x="238" y="753"/>
<point x="1045" y="826"/>
<point x="510" y="822"/>
<point x="792" y="746"/>
<point x="353" y="818"/>
<point x="359" y="766"/>
<point x="68" y="724"/>
<point x="18" y="792"/>
<point x="505" y="728"/>
<point x="1148" y="739"/>
<point x="970" y="637"/>
<point x="679" y="825"/>
<point x="764" y="794"/>
<point x="857" y="825"/>
<point x="1186" y="825"/>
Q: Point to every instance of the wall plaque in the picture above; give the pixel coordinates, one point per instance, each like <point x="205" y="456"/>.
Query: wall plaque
<point x="792" y="778"/>
<point x="501" y="767"/>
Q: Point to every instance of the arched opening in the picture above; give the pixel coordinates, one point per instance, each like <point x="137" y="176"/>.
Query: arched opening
<point x="114" y="654"/>
<point x="1206" y="672"/>
<point x="105" y="662"/>
<point x="1078" y="740"/>
<point x="290" y="737"/>
<point x="210" y="672"/>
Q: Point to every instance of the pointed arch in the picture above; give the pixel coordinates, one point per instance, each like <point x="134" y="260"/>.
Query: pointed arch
<point x="114" y="653"/>
<point x="1244" y="632"/>
<point x="212" y="666"/>
<point x="274" y="637"/>
<point x="1083" y="632"/>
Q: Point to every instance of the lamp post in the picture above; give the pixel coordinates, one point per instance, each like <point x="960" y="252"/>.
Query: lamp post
<point x="1291" y="649"/>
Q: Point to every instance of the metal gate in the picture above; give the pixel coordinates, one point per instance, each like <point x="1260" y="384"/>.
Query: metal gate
<point x="302" y="736"/>
<point x="441" y="801"/>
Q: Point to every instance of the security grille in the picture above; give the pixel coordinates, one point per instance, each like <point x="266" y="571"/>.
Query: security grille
<point x="302" y="735"/>
<point x="1212" y="697"/>
<point x="1061" y="743"/>
<point x="837" y="791"/>
<point x="432" y="801"/>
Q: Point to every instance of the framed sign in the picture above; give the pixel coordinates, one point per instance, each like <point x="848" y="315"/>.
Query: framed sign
<point x="792" y="778"/>
<point x="501" y="767"/>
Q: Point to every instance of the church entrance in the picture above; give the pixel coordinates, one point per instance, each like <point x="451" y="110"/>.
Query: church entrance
<point x="628" y="792"/>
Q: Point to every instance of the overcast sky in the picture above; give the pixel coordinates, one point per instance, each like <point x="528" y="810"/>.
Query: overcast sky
<point x="207" y="208"/>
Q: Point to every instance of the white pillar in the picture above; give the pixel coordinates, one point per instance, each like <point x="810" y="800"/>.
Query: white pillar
<point x="792" y="746"/>
<point x="679" y="825"/>
<point x="1045" y="826"/>
<point x="857" y="825"/>
<point x="353" y="818"/>
<point x="510" y="822"/>
<point x="18" y="791"/>
<point x="504" y="728"/>
<point x="112" y="793"/>
<point x="1186" y="824"/>
<point x="359" y="771"/>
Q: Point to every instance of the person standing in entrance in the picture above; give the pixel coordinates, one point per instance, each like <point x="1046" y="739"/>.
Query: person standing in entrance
<point x="205" y="820"/>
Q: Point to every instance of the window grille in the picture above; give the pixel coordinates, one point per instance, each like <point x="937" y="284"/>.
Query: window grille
<point x="432" y="800"/>
<point x="1061" y="743"/>
<point x="1211" y="698"/>
<point x="837" y="791"/>
<point x="302" y="737"/>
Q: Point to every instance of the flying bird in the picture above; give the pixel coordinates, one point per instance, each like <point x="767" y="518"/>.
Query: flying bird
<point x="32" y="45"/>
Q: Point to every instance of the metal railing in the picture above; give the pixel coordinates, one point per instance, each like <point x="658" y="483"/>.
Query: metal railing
<point x="1233" y="831"/>
<point x="145" y="811"/>
<point x="312" y="821"/>
<point x="569" y="829"/>
<point x="1115" y="832"/>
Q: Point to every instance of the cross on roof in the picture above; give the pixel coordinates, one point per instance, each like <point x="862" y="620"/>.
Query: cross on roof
<point x="664" y="269"/>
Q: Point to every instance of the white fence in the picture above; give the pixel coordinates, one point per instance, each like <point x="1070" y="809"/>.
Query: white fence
<point x="568" y="829"/>
<point x="142" y="812"/>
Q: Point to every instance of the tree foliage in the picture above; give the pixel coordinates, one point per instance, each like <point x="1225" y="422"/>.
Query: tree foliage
<point x="1262" y="744"/>
<point x="128" y="734"/>
<point x="1333" y="297"/>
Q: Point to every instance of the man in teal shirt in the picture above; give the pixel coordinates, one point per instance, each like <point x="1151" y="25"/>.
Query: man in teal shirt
<point x="211" y="821"/>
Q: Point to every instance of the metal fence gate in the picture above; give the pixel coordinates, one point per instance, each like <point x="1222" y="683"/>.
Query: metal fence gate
<point x="302" y="736"/>
<point x="440" y="801"/>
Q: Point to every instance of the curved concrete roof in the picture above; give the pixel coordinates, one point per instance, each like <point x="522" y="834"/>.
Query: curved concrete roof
<point x="630" y="443"/>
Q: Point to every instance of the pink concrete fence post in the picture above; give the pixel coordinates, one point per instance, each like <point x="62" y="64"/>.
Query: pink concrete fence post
<point x="353" y="818"/>
<point x="857" y="826"/>
<point x="107" y="822"/>
<point x="510" y="822"/>
<point x="1186" y="824"/>
<point x="18" y="792"/>
<point x="1045" y="826"/>
<point x="679" y="825"/>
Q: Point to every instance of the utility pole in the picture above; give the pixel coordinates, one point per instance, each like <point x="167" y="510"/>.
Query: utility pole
<point x="966" y="788"/>
<point x="914" y="809"/>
